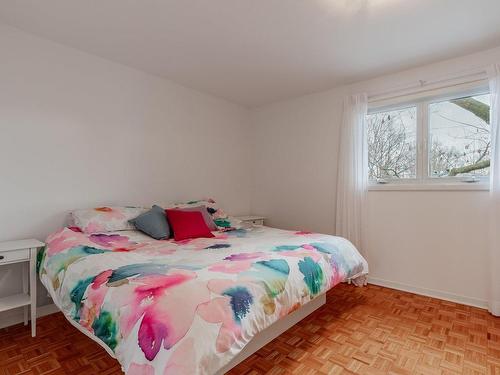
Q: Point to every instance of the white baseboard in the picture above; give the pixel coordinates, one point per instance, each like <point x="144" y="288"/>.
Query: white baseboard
<point x="470" y="301"/>
<point x="15" y="316"/>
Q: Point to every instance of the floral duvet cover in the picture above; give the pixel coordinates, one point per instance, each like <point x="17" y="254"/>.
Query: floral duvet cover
<point x="165" y="307"/>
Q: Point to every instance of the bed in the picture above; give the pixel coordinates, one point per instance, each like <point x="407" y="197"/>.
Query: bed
<point x="191" y="307"/>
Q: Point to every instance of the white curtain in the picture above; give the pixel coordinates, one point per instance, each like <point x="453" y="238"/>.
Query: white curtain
<point x="352" y="177"/>
<point x="494" y="229"/>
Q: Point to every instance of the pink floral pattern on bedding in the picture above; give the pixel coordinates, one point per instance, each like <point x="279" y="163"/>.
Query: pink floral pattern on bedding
<point x="187" y="308"/>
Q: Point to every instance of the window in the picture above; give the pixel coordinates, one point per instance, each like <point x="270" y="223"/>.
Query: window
<point x="392" y="144"/>
<point x="442" y="139"/>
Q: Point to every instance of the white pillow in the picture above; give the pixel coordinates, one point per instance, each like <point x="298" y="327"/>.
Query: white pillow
<point x="106" y="219"/>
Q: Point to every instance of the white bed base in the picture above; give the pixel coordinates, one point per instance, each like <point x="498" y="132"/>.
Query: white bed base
<point x="270" y="333"/>
<point x="259" y="340"/>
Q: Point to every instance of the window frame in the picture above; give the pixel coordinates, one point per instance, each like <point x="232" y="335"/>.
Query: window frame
<point x="422" y="102"/>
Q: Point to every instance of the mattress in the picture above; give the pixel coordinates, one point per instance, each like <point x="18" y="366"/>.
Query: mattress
<point x="188" y="307"/>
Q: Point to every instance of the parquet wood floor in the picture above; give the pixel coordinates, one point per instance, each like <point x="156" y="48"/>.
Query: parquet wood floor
<point x="371" y="330"/>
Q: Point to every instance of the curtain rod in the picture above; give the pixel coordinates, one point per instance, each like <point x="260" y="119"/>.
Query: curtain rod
<point x="421" y="86"/>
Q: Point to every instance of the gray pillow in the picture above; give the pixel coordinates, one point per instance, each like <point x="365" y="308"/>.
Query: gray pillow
<point x="153" y="223"/>
<point x="206" y="216"/>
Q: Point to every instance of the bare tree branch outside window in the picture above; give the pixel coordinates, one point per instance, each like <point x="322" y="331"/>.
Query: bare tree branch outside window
<point x="392" y="144"/>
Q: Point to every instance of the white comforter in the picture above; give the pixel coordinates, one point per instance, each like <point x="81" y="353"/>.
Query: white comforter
<point x="188" y="307"/>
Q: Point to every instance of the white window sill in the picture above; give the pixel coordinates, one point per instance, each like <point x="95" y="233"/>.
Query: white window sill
<point x="430" y="186"/>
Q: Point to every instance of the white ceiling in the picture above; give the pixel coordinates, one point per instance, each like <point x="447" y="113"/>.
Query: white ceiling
<point x="257" y="51"/>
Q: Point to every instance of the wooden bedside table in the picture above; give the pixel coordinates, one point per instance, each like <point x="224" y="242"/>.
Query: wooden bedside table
<point x="22" y="251"/>
<point x="252" y="219"/>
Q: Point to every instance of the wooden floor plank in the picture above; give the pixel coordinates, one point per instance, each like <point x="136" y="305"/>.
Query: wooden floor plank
<point x="370" y="330"/>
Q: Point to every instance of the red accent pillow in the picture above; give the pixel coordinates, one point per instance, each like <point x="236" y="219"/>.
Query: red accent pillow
<point x="187" y="224"/>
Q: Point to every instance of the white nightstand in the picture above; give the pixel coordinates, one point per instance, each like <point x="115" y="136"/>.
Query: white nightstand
<point x="252" y="219"/>
<point x="22" y="251"/>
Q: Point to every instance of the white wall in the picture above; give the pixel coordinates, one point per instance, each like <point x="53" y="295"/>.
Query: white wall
<point x="431" y="242"/>
<point x="80" y="131"/>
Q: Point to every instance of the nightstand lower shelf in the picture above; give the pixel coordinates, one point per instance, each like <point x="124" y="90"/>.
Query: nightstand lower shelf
<point x="22" y="252"/>
<point x="15" y="301"/>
